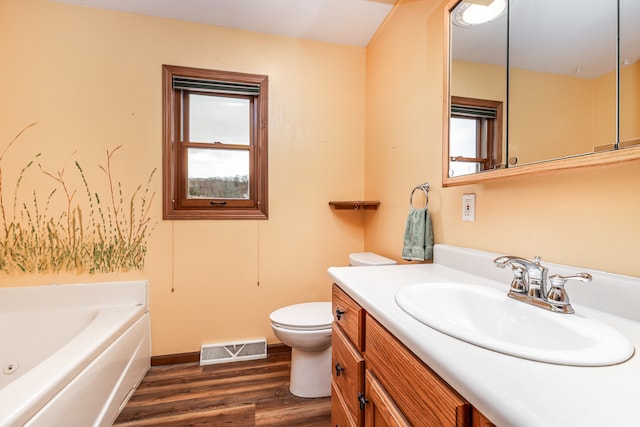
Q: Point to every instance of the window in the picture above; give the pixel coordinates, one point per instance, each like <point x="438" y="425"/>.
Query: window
<point x="475" y="135"/>
<point x="215" y="144"/>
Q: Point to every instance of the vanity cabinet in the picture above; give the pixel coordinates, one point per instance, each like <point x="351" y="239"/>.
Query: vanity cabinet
<point x="378" y="382"/>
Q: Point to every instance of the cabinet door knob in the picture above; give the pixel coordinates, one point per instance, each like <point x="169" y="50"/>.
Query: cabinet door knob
<point x="339" y="313"/>
<point x="339" y="369"/>
<point x="363" y="401"/>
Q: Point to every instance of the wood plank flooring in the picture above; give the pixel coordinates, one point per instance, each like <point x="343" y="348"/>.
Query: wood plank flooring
<point x="240" y="394"/>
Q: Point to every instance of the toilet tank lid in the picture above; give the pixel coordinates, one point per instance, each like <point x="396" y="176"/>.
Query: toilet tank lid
<point x="369" y="258"/>
<point x="308" y="315"/>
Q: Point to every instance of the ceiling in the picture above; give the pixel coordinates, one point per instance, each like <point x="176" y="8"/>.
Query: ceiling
<point x="348" y="22"/>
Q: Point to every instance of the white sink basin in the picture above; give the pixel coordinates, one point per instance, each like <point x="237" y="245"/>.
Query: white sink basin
<point x="488" y="318"/>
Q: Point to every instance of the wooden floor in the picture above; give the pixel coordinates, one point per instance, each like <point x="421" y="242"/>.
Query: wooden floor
<point x="253" y="393"/>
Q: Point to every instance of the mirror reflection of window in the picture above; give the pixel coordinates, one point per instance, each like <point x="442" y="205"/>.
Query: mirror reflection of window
<point x="475" y="135"/>
<point x="463" y="134"/>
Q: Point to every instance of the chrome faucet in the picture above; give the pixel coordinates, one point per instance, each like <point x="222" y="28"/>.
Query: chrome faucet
<point x="534" y="279"/>
<point x="529" y="284"/>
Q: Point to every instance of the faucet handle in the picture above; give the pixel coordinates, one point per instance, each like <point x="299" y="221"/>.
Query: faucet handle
<point x="519" y="284"/>
<point x="559" y="281"/>
<point x="557" y="295"/>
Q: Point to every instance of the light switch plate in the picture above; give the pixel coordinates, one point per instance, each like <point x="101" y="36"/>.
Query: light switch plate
<point x="469" y="207"/>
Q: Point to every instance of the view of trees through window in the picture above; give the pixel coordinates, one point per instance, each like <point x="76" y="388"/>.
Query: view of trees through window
<point x="236" y="187"/>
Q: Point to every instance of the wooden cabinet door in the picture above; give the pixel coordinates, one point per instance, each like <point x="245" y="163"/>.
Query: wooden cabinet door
<point x="340" y="416"/>
<point x="422" y="396"/>
<point x="348" y="372"/>
<point x="380" y="410"/>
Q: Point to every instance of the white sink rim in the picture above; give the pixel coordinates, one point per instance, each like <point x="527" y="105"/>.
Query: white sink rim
<point x="591" y="341"/>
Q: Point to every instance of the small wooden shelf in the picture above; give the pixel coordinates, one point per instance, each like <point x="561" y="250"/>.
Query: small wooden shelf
<point x="355" y="205"/>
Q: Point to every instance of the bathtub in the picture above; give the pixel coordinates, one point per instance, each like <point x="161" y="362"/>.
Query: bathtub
<point x="71" y="355"/>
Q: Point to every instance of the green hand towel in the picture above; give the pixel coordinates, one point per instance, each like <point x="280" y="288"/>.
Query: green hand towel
<point x="418" y="236"/>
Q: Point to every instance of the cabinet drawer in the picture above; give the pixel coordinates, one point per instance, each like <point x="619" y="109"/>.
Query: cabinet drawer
<point x="340" y="416"/>
<point x="348" y="372"/>
<point x="349" y="315"/>
<point x="423" y="397"/>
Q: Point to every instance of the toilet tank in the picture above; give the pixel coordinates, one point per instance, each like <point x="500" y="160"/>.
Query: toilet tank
<point x="369" y="258"/>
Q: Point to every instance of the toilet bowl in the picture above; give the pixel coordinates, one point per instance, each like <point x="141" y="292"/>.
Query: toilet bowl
<point x="306" y="328"/>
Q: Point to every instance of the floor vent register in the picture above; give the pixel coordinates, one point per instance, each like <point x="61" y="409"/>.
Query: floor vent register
<point x="233" y="352"/>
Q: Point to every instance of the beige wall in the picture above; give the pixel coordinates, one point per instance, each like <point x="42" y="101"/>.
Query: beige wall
<point x="91" y="79"/>
<point x="550" y="116"/>
<point x="476" y="80"/>
<point x="585" y="218"/>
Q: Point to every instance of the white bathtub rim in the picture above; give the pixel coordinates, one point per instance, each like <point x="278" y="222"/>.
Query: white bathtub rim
<point x="17" y="399"/>
<point x="65" y="295"/>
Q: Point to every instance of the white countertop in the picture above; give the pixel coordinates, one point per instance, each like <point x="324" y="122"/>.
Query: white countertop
<point x="508" y="390"/>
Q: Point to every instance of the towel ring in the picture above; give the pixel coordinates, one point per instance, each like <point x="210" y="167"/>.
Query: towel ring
<point x="425" y="188"/>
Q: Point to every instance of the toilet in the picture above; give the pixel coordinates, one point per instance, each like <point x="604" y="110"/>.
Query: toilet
<point x="306" y="328"/>
<point x="369" y="258"/>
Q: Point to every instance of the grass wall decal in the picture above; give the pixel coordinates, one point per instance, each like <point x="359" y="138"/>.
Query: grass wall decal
<point x="110" y="234"/>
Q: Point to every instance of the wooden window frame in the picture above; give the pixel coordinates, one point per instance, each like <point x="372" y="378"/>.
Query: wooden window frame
<point x="493" y="157"/>
<point x="175" y="203"/>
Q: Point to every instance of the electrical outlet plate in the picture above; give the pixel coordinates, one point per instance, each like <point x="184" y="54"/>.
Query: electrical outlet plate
<point x="469" y="207"/>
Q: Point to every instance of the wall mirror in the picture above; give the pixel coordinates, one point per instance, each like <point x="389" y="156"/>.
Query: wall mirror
<point x="534" y="85"/>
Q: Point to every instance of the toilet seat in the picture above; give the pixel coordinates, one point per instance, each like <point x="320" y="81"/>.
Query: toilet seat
<point x="310" y="316"/>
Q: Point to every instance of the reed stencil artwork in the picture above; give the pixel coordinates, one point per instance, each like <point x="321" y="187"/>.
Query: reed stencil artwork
<point x="94" y="232"/>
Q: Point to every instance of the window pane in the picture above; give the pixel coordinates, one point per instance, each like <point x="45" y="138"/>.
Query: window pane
<point x="217" y="173"/>
<point x="463" y="137"/>
<point x="219" y="119"/>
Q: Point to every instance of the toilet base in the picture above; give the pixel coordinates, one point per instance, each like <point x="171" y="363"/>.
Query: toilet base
<point x="310" y="373"/>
